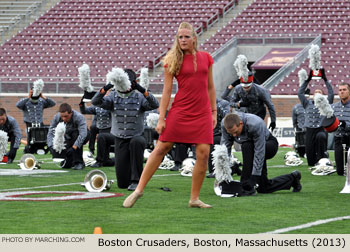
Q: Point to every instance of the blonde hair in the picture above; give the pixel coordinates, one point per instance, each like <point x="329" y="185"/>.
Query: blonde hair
<point x="175" y="56"/>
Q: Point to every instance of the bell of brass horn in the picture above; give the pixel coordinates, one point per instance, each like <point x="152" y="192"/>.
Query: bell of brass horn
<point x="28" y="162"/>
<point x="346" y="188"/>
<point x="96" y="181"/>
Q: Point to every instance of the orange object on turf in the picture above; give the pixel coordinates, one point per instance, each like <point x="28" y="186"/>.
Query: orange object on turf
<point x="98" y="230"/>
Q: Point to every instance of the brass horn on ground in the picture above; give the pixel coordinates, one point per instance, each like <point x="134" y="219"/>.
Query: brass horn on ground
<point x="28" y="162"/>
<point x="96" y="181"/>
<point x="346" y="188"/>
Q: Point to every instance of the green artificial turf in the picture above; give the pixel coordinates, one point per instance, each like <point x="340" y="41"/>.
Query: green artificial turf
<point x="165" y="212"/>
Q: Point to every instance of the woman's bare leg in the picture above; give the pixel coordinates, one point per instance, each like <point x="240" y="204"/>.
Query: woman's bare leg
<point x="152" y="164"/>
<point x="198" y="175"/>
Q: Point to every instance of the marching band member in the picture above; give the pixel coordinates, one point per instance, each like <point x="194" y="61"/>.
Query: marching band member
<point x="250" y="96"/>
<point x="316" y="137"/>
<point x="258" y="145"/>
<point x="10" y="126"/>
<point x="75" y="136"/>
<point x="342" y="112"/>
<point x="33" y="108"/>
<point x="127" y="104"/>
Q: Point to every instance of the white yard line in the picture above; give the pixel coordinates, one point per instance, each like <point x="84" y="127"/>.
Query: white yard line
<point x="307" y="225"/>
<point x="59" y="185"/>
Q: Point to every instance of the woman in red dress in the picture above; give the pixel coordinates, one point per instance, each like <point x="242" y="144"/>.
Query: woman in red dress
<point x="192" y="116"/>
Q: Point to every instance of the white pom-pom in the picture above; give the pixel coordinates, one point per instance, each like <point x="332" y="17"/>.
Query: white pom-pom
<point x="144" y="80"/>
<point x="38" y="87"/>
<point x="240" y="65"/>
<point x="221" y="163"/>
<point x="152" y="120"/>
<point x="84" y="78"/>
<point x="315" y="57"/>
<point x="302" y="74"/>
<point x="3" y="143"/>
<point x="119" y="78"/>
<point x="323" y="106"/>
<point x="58" y="140"/>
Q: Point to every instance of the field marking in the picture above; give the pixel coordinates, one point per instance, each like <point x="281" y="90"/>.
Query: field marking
<point x="59" y="185"/>
<point x="307" y="225"/>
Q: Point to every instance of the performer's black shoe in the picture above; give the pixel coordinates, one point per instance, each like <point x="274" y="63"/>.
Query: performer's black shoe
<point x="132" y="186"/>
<point x="252" y="192"/>
<point x="296" y="183"/>
<point x="79" y="166"/>
<point x="211" y="175"/>
<point x="97" y="165"/>
<point x="10" y="161"/>
<point x="176" y="167"/>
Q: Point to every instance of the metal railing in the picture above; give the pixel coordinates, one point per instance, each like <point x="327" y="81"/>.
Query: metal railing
<point x="290" y="66"/>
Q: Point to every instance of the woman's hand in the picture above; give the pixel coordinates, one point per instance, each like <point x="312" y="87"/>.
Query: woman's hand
<point x="160" y="126"/>
<point x="213" y="113"/>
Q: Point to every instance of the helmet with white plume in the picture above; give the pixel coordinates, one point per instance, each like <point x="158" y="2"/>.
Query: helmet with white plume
<point x="144" y="80"/>
<point x="58" y="139"/>
<point x="224" y="185"/>
<point x="38" y="87"/>
<point x="323" y="167"/>
<point x="3" y="143"/>
<point x="329" y="121"/>
<point x="315" y="61"/>
<point x="245" y="76"/>
<point x="120" y="79"/>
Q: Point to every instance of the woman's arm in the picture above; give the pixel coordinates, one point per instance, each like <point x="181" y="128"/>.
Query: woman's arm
<point x="164" y="102"/>
<point x="212" y="95"/>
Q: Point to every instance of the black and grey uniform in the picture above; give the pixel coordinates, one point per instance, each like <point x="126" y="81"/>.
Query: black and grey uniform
<point x="257" y="97"/>
<point x="258" y="145"/>
<point x="76" y="134"/>
<point x="14" y="136"/>
<point x="316" y="137"/>
<point x="298" y="118"/>
<point x="33" y="118"/>
<point x="342" y="134"/>
<point x="127" y="126"/>
<point x="102" y="122"/>
<point x="223" y="108"/>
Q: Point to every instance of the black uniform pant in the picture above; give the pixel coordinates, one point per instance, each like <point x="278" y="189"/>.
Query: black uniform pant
<point x="339" y="154"/>
<point x="104" y="142"/>
<point x="11" y="154"/>
<point x="216" y="140"/>
<point x="180" y="152"/>
<point x="72" y="158"/>
<point x="93" y="133"/>
<point x="283" y="182"/>
<point x="129" y="159"/>
<point x="316" y="145"/>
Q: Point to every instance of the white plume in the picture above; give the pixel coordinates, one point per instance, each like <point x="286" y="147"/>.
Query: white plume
<point x="3" y="143"/>
<point x="152" y="120"/>
<point x="58" y="139"/>
<point x="144" y="80"/>
<point x="84" y="78"/>
<point x="38" y="87"/>
<point x="323" y="106"/>
<point x="302" y="74"/>
<point x="240" y="65"/>
<point x="221" y="163"/>
<point x="119" y="78"/>
<point x="315" y="57"/>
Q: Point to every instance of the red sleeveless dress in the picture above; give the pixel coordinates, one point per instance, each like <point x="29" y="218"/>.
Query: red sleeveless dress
<point x="190" y="119"/>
